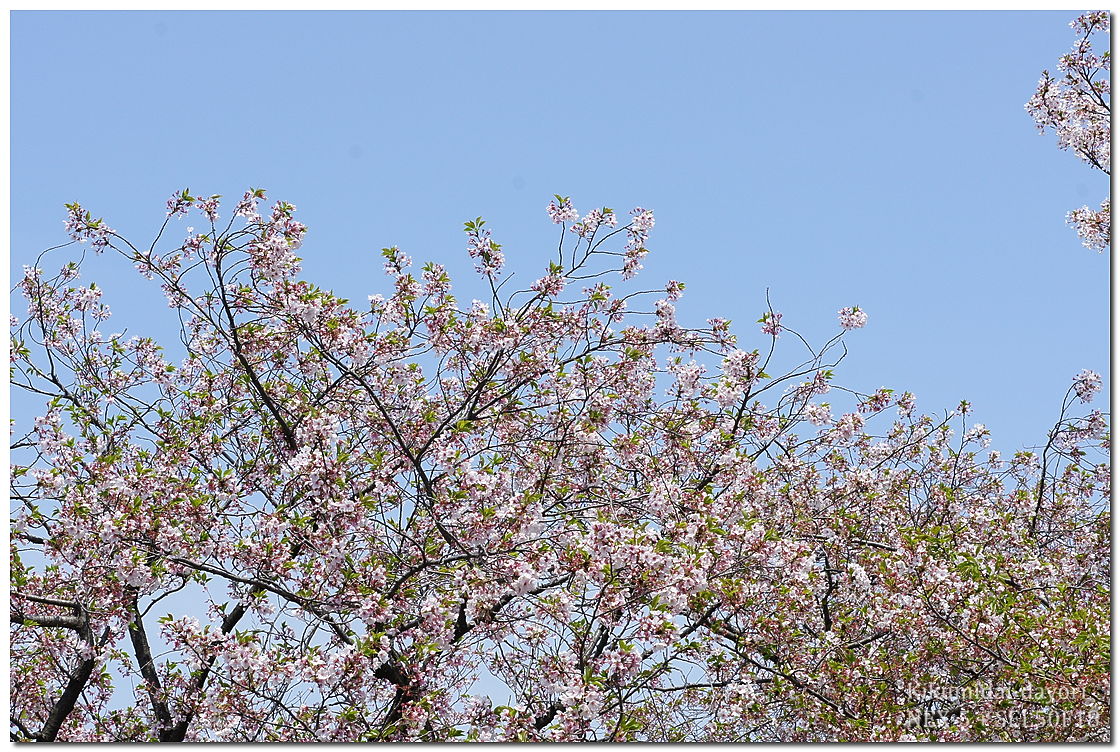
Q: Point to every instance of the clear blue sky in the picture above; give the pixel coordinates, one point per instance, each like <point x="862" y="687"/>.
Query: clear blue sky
<point x="878" y="159"/>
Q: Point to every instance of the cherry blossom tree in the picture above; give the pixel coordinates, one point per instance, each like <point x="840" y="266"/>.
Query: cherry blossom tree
<point x="312" y="520"/>
<point x="1077" y="105"/>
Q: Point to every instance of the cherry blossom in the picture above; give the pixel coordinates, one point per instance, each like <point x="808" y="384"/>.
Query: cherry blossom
<point x="561" y="210"/>
<point x="307" y="521"/>
<point x="771" y="323"/>
<point x="1087" y="384"/>
<point x="852" y="318"/>
<point x="1076" y="104"/>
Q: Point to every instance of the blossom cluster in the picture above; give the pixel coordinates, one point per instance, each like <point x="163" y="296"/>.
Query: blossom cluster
<point x="852" y="318"/>
<point x="1087" y="384"/>
<point x="82" y="227"/>
<point x="1075" y="103"/>
<point x="637" y="232"/>
<point x="1093" y="226"/>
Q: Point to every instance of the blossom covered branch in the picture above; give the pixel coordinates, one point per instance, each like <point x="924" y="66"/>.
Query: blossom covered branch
<point x="1076" y="105"/>
<point x="555" y="513"/>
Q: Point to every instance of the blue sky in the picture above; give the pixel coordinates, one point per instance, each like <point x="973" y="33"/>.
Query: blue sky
<point x="878" y="159"/>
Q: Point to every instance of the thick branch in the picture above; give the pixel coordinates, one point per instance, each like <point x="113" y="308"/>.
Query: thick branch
<point x="148" y="671"/>
<point x="69" y="698"/>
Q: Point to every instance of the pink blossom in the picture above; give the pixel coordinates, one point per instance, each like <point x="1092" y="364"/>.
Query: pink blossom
<point x="560" y="210"/>
<point x="594" y="219"/>
<point x="1086" y="384"/>
<point x="848" y="425"/>
<point x="1093" y="227"/>
<point x="818" y="414"/>
<point x="483" y="249"/>
<point x="642" y="221"/>
<point x="771" y="323"/>
<point x="852" y="318"/>
<point x="83" y="228"/>
<point x="1076" y="105"/>
<point x="549" y="286"/>
<point x="179" y="204"/>
<point x="209" y="207"/>
<point x="247" y="206"/>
